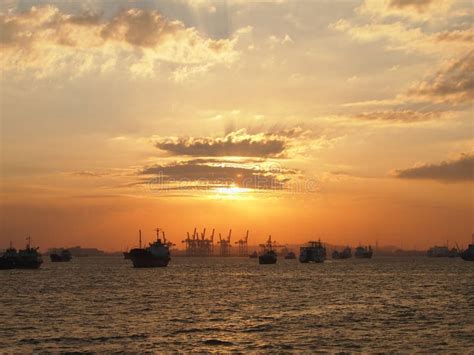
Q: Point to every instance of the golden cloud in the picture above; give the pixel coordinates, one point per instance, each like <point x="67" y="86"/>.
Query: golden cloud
<point x="46" y="40"/>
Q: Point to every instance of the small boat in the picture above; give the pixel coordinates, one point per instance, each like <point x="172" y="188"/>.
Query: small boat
<point x="468" y="254"/>
<point x="63" y="256"/>
<point x="157" y="254"/>
<point x="438" y="252"/>
<point x="314" y="253"/>
<point x="254" y="255"/>
<point x="268" y="255"/>
<point x="290" y="255"/>
<point x="345" y="254"/>
<point x="126" y="255"/>
<point x="363" y="252"/>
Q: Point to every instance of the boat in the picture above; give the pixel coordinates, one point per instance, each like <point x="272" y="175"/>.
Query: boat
<point x="438" y="252"/>
<point x="315" y="252"/>
<point x="254" y="255"/>
<point x="363" y="252"/>
<point x="157" y="254"/>
<point x="290" y="256"/>
<point x="63" y="256"/>
<point x="454" y="253"/>
<point x="7" y="260"/>
<point x="468" y="254"/>
<point x="345" y="254"/>
<point x="268" y="255"/>
<point x="126" y="255"/>
<point x="28" y="258"/>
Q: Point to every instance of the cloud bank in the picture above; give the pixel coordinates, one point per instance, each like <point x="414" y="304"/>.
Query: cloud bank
<point x="458" y="170"/>
<point x="45" y="40"/>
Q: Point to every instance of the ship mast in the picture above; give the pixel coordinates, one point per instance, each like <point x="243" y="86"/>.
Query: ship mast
<point x="140" y="237"/>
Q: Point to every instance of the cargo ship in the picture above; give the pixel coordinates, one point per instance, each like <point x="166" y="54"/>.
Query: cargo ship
<point x="268" y="255"/>
<point x="315" y="252"/>
<point x="63" y="256"/>
<point x="157" y="254"/>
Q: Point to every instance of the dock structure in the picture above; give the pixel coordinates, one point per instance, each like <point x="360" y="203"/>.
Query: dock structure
<point x="199" y="245"/>
<point x="225" y="244"/>
<point x="243" y="249"/>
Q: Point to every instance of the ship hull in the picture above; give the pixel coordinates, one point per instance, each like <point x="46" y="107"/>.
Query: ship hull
<point x="467" y="257"/>
<point x="364" y="256"/>
<point x="6" y="264"/>
<point x="266" y="260"/>
<point x="55" y="258"/>
<point x="28" y="265"/>
<point x="143" y="259"/>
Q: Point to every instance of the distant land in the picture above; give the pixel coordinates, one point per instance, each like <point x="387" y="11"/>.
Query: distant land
<point x="389" y="250"/>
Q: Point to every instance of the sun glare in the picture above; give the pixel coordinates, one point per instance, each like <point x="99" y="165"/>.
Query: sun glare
<point x="232" y="190"/>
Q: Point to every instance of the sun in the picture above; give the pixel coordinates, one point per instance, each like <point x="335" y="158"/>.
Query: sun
<point x="231" y="190"/>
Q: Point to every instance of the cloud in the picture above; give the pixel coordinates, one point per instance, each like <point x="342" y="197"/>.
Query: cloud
<point x="453" y="83"/>
<point x="418" y="10"/>
<point x="238" y="143"/>
<point x="212" y="173"/>
<point x="399" y="36"/>
<point x="86" y="173"/>
<point x="45" y="40"/>
<point x="399" y="116"/>
<point x="458" y="170"/>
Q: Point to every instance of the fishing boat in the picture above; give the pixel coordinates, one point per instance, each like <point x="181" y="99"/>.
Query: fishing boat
<point x="157" y="254"/>
<point x="315" y="252"/>
<point x="7" y="260"/>
<point x="254" y="255"/>
<point x="126" y="255"/>
<point x="363" y="252"/>
<point x="268" y="255"/>
<point x="63" y="256"/>
<point x="290" y="256"/>
<point x="345" y="254"/>
<point x="28" y="258"/>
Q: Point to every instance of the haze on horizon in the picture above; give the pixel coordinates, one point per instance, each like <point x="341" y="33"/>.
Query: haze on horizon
<point x="347" y="120"/>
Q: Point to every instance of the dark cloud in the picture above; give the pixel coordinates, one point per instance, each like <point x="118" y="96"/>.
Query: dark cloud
<point x="418" y="5"/>
<point x="234" y="144"/>
<point x="454" y="83"/>
<point x="461" y="169"/>
<point x="141" y="28"/>
<point x="202" y="172"/>
<point x="399" y="115"/>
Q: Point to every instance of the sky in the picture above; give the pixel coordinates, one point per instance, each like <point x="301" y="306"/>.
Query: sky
<point x="349" y="121"/>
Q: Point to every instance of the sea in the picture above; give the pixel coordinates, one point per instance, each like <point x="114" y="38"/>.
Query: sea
<point x="103" y="304"/>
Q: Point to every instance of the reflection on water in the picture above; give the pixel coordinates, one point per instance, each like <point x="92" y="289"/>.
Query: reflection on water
<point x="234" y="304"/>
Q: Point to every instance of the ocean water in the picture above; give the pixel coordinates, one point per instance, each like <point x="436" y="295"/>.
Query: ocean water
<point x="234" y="304"/>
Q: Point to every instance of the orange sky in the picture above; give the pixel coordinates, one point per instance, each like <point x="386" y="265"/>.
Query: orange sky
<point x="347" y="120"/>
